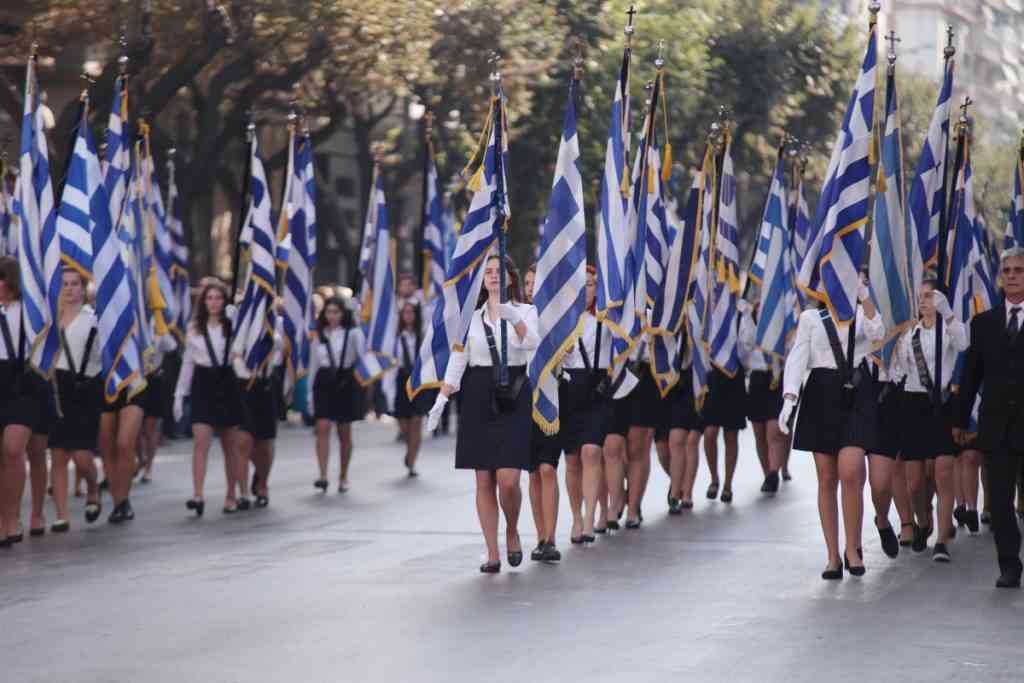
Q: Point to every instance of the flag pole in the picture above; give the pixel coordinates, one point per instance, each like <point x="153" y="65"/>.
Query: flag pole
<point x="428" y="157"/>
<point x="780" y="156"/>
<point x="499" y="199"/>
<point x="250" y="135"/>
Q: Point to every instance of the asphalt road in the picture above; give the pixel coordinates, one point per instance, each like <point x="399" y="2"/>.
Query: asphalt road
<point x="381" y="584"/>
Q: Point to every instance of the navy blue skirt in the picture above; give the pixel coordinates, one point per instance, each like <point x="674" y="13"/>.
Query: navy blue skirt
<point x="764" y="402"/>
<point x="215" y="398"/>
<point x="419" y="406"/>
<point x="726" y="403"/>
<point x="827" y="423"/>
<point x="488" y="439"/>
<point x="338" y="397"/>
<point x="81" y="401"/>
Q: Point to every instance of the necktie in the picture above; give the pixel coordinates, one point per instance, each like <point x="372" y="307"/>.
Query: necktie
<point x="1014" y="327"/>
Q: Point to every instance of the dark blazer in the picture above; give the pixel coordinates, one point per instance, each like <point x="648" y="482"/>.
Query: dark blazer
<point x="997" y="365"/>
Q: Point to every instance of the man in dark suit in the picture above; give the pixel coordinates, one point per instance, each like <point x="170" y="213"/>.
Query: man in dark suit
<point x="995" y="361"/>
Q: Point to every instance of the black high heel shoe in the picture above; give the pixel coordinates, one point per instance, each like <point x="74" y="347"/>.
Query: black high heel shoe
<point x="589" y="539"/>
<point x="538" y="553"/>
<point x="712" y="490"/>
<point x="244" y="504"/>
<point x="490" y="567"/>
<point x="833" y="573"/>
<point x="726" y="496"/>
<point x="320" y="484"/>
<point x="197" y="505"/>
<point x="854" y="571"/>
<point x="600" y="530"/>
<point x="515" y="557"/>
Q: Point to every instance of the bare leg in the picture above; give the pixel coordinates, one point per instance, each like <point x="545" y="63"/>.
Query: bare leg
<point x="692" y="462"/>
<point x="639" y="468"/>
<point x="732" y="453"/>
<point x="614" y="453"/>
<point x="711" y="453"/>
<point x="677" y="446"/>
<point x="549" y="493"/>
<point x="262" y="460"/>
<point x="84" y="464"/>
<point x="761" y="443"/>
<point x="15" y="446"/>
<point x="944" y="487"/>
<point x="592" y="475"/>
<point x="413" y="438"/>
<point x="38" y="477"/>
<point x="827" y="467"/>
<point x="323" y="446"/>
<point x="536" y="492"/>
<point x="511" y="498"/>
<point x="345" y="437"/>
<point x="574" y="487"/>
<point x="150" y="443"/>
<point x="880" y="475"/>
<point x="242" y="445"/>
<point x="971" y="460"/>
<point x="60" y="484"/>
<point x="916" y="476"/>
<point x="129" y="423"/>
<point x="202" y="439"/>
<point x="661" y="448"/>
<point x="487" y="511"/>
<point x="778" y="443"/>
<point x="901" y="499"/>
<point x="852" y="473"/>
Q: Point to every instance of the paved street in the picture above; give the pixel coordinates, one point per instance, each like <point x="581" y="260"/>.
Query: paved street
<point x="381" y="584"/>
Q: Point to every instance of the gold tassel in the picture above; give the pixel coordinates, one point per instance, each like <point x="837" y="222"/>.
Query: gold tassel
<point x="476" y="181"/>
<point x="666" y="164"/>
<point x="650" y="180"/>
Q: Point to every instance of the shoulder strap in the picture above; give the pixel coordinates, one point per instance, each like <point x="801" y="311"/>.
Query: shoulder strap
<point x="330" y="351"/>
<point x="344" y="349"/>
<point x="214" y="361"/>
<point x="922" y="366"/>
<point x="8" y="341"/>
<point x="583" y="352"/>
<point x="406" y="361"/>
<point x="833" y="341"/>
<point x="597" y="347"/>
<point x="90" y="340"/>
<point x="495" y="359"/>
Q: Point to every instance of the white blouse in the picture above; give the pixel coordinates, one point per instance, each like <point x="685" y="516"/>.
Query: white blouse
<point x="812" y="349"/>
<point x="196" y="354"/>
<point x="752" y="358"/>
<point x="573" y="360"/>
<point x="336" y="338"/>
<point x="954" y="341"/>
<point x="406" y="356"/>
<point x="12" y="312"/>
<point x="476" y="352"/>
<point x="77" y="335"/>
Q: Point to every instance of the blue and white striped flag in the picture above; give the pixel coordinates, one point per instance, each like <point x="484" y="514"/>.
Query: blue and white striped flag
<point x="658" y="231"/>
<point x="983" y="281"/>
<point x="699" y="311"/>
<point x="159" y="285"/>
<point x="1015" y="226"/>
<point x="138" y="256"/>
<point x="668" y="317"/>
<point x="450" y="233"/>
<point x="726" y="255"/>
<point x="896" y="259"/>
<point x="39" y="248"/>
<point x="116" y="311"/>
<point x="801" y="225"/>
<point x="179" y="257"/>
<point x="927" y="192"/>
<point x="560" y="290"/>
<point x="298" y="277"/>
<point x="117" y="155"/>
<point x="613" y="224"/>
<point x="254" y="333"/>
<point x="773" y="271"/>
<point x="433" y="235"/>
<point x="479" y="233"/>
<point x="74" y="222"/>
<point x="381" y="328"/>
<point x="958" y="276"/>
<point x="830" y="273"/>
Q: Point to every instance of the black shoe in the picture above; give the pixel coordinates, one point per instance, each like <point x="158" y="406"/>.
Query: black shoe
<point x="61" y="526"/>
<point x="686" y="504"/>
<point x="833" y="573"/>
<point x="986" y="518"/>
<point x="958" y="515"/>
<point x="262" y="501"/>
<point x="675" y="506"/>
<point x="920" y="539"/>
<point x="635" y="523"/>
<point x="320" y="484"/>
<point x="36" y="533"/>
<point x="1008" y="579"/>
<point x="771" y="483"/>
<point x="613" y="525"/>
<point x="230" y="509"/>
<point x="576" y="540"/>
<point x="551" y="553"/>
<point x="537" y="554"/>
<point x="726" y="496"/>
<point x="588" y="539"/>
<point x="786" y="476"/>
<point x="712" y="490"/>
<point x="515" y="557"/>
<point x="854" y="571"/>
<point x="600" y="530"/>
<point x="903" y="543"/>
<point x="93" y="510"/>
<point x="971" y="520"/>
<point x="126" y="510"/>
<point x="117" y="515"/>
<point x="105" y="485"/>
<point x="490" y="567"/>
<point x="244" y="504"/>
<point x="890" y="543"/>
<point x="940" y="554"/>
<point x="196" y="504"/>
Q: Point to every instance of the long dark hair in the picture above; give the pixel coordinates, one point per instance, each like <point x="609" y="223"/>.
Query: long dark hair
<point x="10" y="275"/>
<point x="515" y="292"/>
<point x="346" y="315"/>
<point x="201" y="318"/>
<point x="417" y="321"/>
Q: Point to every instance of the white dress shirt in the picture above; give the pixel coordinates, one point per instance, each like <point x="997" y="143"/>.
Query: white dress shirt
<point x="954" y="341"/>
<point x="476" y="352"/>
<point x="336" y="338"/>
<point x="77" y="335"/>
<point x="197" y="354"/>
<point x="411" y="348"/>
<point x="812" y="349"/>
<point x="752" y="358"/>
<point x="12" y="312"/>
<point x="573" y="360"/>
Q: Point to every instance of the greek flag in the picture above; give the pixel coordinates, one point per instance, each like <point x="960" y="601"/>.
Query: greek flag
<point x="958" y="279"/>
<point x="118" y="156"/>
<point x="927" y="192"/>
<point x="298" y="277"/>
<point x="983" y="282"/>
<point x="6" y="218"/>
<point x="121" y="356"/>
<point x="159" y="286"/>
<point x="895" y="256"/>
<point x="132" y="234"/>
<point x="668" y="317"/>
<point x="658" y="231"/>
<point x="451" y="319"/>
<point x="433" y="235"/>
<point x="74" y="222"/>
<point x="560" y="289"/>
<point x="613" y="223"/>
<point x="698" y="313"/>
<point x="182" y="295"/>
<point x="381" y="329"/>
<point x="830" y="271"/>
<point x="1015" y="227"/>
<point x="773" y="271"/>
<point x="723" y="332"/>
<point x="39" y="248"/>
<point x="451" y="235"/>
<point x="254" y="334"/>
<point x="801" y="225"/>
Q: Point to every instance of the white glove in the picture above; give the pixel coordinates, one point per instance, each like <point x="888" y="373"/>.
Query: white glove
<point x="743" y="306"/>
<point x="941" y="304"/>
<point x="434" y="416"/>
<point x="230" y="312"/>
<point x="510" y="312"/>
<point x="788" y="406"/>
<point x="863" y="294"/>
<point x="179" y="407"/>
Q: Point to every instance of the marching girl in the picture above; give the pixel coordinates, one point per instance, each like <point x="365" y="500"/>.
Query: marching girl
<point x="410" y="413"/>
<point x="208" y="378"/>
<point x="153" y="404"/>
<point x="970" y="461"/>
<point x="838" y="418"/>
<point x="764" y="399"/>
<point x="724" y="410"/>
<point x="684" y="433"/>
<point x="25" y="414"/>
<point x="927" y="428"/>
<point x="336" y="396"/>
<point x="885" y="470"/>
<point x="257" y="430"/>
<point x="75" y="432"/>
<point x="646" y="410"/>
<point x="494" y="420"/>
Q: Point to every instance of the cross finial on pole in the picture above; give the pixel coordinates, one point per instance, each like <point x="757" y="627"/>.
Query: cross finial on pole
<point x="630" y="13"/>
<point x="495" y="61"/>
<point x="659" y="62"/>
<point x="963" y="108"/>
<point x="949" y="50"/>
